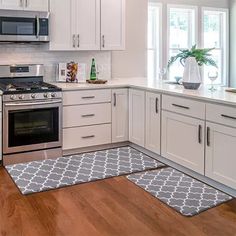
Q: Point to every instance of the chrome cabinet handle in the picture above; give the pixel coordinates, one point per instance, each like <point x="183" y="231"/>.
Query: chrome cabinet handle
<point x="21" y="3"/>
<point x="87" y="137"/>
<point x="180" y="106"/>
<point x="78" y="37"/>
<point x="208" y="137"/>
<point x="89" y="97"/>
<point x="103" y="41"/>
<point x="157" y="101"/>
<point x="114" y="99"/>
<point x="229" y="117"/>
<point x="200" y="134"/>
<point x="74" y="40"/>
<point x="88" y="115"/>
<point x="26" y="3"/>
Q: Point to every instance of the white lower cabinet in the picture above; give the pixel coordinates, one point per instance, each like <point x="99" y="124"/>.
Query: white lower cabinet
<point x="137" y="117"/>
<point x="183" y="140"/>
<point x="153" y="123"/>
<point x="87" y="136"/>
<point x="120" y="115"/>
<point x="220" y="154"/>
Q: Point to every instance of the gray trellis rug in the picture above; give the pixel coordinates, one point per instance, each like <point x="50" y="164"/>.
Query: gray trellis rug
<point x="186" y="195"/>
<point x="39" y="176"/>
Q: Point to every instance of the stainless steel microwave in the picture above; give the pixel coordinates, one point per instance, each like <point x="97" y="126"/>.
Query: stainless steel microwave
<point x="24" y="26"/>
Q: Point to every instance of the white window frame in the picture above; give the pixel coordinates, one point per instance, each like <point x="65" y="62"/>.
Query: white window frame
<point x="225" y="62"/>
<point x="196" y="35"/>
<point x="158" y="49"/>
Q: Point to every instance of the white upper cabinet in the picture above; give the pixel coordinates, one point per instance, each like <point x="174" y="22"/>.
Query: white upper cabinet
<point x="27" y="5"/>
<point x="61" y="37"/>
<point x="36" y="5"/>
<point x="12" y="4"/>
<point x="88" y="24"/>
<point x="153" y="123"/>
<point x="137" y="117"/>
<point x="79" y="29"/>
<point x="120" y="115"/>
<point x="113" y="24"/>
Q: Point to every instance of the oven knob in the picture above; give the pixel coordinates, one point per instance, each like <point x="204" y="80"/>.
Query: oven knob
<point x="13" y="97"/>
<point x="45" y="95"/>
<point x="33" y="96"/>
<point x="21" y="97"/>
<point x="53" y="95"/>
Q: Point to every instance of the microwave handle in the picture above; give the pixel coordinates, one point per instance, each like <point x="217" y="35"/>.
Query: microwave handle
<point x="37" y="27"/>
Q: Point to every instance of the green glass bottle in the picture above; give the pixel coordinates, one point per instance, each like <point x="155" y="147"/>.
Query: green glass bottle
<point x="93" y="73"/>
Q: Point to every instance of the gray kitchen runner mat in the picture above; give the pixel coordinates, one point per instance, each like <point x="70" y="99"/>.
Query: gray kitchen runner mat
<point x="186" y="195"/>
<point x="39" y="176"/>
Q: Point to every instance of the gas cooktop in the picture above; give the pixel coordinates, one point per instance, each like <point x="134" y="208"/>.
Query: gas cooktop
<point x="10" y="87"/>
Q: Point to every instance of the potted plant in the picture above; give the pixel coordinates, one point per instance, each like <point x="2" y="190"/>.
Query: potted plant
<point x="192" y="59"/>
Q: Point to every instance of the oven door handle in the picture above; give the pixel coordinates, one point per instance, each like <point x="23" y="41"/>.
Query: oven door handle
<point x="37" y="27"/>
<point x="30" y="104"/>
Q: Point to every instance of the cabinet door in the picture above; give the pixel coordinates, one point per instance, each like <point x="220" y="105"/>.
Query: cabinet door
<point x="120" y="115"/>
<point x="12" y="4"/>
<point x="153" y="123"/>
<point x="88" y="25"/>
<point x="62" y="22"/>
<point x="137" y="117"/>
<point x="113" y="24"/>
<point x="220" y="154"/>
<point x="183" y="140"/>
<point x="36" y="5"/>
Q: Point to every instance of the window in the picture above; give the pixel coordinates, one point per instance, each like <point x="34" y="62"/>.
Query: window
<point x="181" y="34"/>
<point x="215" y="35"/>
<point x="182" y="30"/>
<point x="154" y="36"/>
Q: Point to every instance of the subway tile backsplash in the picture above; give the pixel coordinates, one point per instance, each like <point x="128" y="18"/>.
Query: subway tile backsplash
<point x="38" y="54"/>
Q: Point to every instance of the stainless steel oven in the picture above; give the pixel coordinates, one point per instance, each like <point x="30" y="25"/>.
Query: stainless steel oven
<point x="24" y="26"/>
<point x="31" y="126"/>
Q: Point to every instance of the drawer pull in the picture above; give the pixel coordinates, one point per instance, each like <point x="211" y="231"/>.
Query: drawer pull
<point x="208" y="137"/>
<point x="229" y="117"/>
<point x="87" y="137"/>
<point x="157" y="101"/>
<point x="200" y="134"/>
<point x="88" y="115"/>
<point x="180" y="106"/>
<point x="89" y="97"/>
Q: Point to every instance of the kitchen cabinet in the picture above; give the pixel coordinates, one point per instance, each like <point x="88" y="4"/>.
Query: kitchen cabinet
<point x="26" y="5"/>
<point x="120" y="115"/>
<point x="153" y="123"/>
<point x="113" y="24"/>
<point x="79" y="28"/>
<point x="220" y="154"/>
<point x="137" y="117"/>
<point x="183" y="140"/>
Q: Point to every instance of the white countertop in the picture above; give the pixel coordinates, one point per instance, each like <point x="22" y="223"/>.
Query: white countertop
<point x="203" y="93"/>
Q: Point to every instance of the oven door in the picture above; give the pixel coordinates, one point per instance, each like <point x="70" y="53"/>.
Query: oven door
<point x="32" y="126"/>
<point x="24" y="26"/>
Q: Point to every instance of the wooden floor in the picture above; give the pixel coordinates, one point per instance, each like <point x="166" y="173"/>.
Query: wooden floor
<point x="110" y="207"/>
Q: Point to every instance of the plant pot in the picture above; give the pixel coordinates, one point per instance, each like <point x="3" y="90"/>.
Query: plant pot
<point x="192" y="76"/>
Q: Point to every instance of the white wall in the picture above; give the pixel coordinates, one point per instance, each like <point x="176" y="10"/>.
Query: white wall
<point x="133" y="61"/>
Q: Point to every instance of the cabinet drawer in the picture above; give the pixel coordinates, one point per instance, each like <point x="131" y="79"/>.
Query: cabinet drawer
<point x="86" y="115"/>
<point x="221" y="114"/>
<point x="86" y="97"/>
<point x="183" y="106"/>
<point x="74" y="138"/>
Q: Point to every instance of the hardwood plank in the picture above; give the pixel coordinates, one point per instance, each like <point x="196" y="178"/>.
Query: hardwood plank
<point x="104" y="208"/>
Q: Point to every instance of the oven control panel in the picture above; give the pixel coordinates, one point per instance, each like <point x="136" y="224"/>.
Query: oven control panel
<point x="32" y="96"/>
